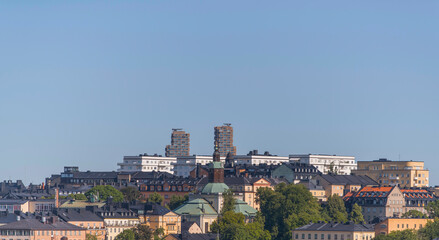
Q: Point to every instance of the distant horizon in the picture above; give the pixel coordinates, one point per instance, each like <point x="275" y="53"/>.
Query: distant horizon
<point x="85" y="83"/>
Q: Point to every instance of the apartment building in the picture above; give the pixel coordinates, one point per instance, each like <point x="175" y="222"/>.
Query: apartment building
<point x="168" y="187"/>
<point x="43" y="228"/>
<point x="399" y="224"/>
<point x="417" y="198"/>
<point x="401" y="173"/>
<point x="377" y="202"/>
<point x="342" y="165"/>
<point x="156" y="216"/>
<point x="223" y="136"/>
<point x="93" y="224"/>
<point x="147" y="163"/>
<point x="255" y="158"/>
<point x="334" y="231"/>
<point x="342" y="184"/>
<point x="180" y="144"/>
<point x="184" y="165"/>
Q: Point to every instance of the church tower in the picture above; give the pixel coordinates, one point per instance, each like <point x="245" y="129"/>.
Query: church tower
<point x="216" y="168"/>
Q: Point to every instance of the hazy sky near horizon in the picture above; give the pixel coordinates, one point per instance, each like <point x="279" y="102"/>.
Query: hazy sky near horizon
<point x="84" y="83"/>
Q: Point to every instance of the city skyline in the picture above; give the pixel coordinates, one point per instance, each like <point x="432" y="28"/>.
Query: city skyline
<point x="84" y="87"/>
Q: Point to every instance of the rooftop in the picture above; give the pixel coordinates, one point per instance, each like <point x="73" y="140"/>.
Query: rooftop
<point x="335" y="226"/>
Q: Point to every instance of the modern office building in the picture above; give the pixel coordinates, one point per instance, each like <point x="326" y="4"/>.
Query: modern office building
<point x="180" y="144"/>
<point x="224" y="138"/>
<point x="342" y="165"/>
<point x="402" y="173"/>
<point x="147" y="163"/>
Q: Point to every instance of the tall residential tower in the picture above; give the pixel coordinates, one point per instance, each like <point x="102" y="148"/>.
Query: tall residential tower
<point x="179" y="144"/>
<point x="224" y="138"/>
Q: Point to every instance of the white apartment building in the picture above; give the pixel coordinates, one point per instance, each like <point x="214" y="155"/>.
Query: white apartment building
<point x="343" y="165"/>
<point x="147" y="163"/>
<point x="253" y="158"/>
<point x="185" y="164"/>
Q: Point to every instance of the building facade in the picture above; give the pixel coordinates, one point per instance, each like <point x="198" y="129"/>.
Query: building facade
<point x="401" y="173"/>
<point x="342" y="184"/>
<point x="377" y="203"/>
<point x="342" y="165"/>
<point x="335" y="231"/>
<point x="224" y="138"/>
<point x="184" y="165"/>
<point x="147" y="163"/>
<point x="42" y="229"/>
<point x="399" y="224"/>
<point x="180" y="144"/>
<point x="254" y="158"/>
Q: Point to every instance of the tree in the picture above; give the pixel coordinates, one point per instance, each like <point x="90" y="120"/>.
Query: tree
<point x="143" y="232"/>
<point x="433" y="209"/>
<point x="414" y="214"/>
<point x="286" y="208"/>
<point x="332" y="169"/>
<point x="127" y="234"/>
<point x="408" y="234"/>
<point x="177" y="201"/>
<point x="155" y="198"/>
<point x="356" y="215"/>
<point x="130" y="194"/>
<point x="105" y="191"/>
<point x="78" y="196"/>
<point x="335" y="209"/>
<point x="228" y="201"/>
<point x="90" y="237"/>
<point x="232" y="226"/>
<point x="430" y="230"/>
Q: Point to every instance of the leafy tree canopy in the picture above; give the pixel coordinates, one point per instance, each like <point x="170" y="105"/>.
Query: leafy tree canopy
<point x="286" y="208"/>
<point x="356" y="215"/>
<point x="130" y="194"/>
<point x="413" y="214"/>
<point x="105" y="191"/>
<point x="127" y="234"/>
<point x="177" y="201"/>
<point x="78" y="196"/>
<point x="232" y="226"/>
<point x="407" y="234"/>
<point x="155" y="198"/>
<point x="228" y="201"/>
<point x="433" y="209"/>
<point x="335" y="209"/>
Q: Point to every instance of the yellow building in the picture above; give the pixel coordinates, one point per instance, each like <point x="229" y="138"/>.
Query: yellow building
<point x="156" y="216"/>
<point x="88" y="220"/>
<point x="339" y="231"/>
<point x="398" y="224"/>
<point x="387" y="172"/>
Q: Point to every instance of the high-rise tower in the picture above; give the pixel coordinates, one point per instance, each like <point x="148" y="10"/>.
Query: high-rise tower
<point x="180" y="145"/>
<point x="224" y="139"/>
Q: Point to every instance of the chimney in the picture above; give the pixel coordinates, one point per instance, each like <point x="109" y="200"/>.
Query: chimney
<point x="56" y="197"/>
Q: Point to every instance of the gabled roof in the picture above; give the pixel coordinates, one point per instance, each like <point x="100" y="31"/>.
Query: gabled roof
<point x="197" y="207"/>
<point x="334" y="226"/>
<point x="380" y="192"/>
<point x="420" y="193"/>
<point x="362" y="180"/>
<point x="78" y="215"/>
<point x="155" y="209"/>
<point x="34" y="224"/>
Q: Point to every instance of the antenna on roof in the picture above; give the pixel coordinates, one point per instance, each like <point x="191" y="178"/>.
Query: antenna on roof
<point x="177" y="129"/>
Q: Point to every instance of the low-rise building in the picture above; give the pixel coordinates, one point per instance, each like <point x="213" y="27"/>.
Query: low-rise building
<point x="168" y="187"/>
<point x="116" y="219"/>
<point x="147" y="163"/>
<point x="42" y="229"/>
<point x="342" y="184"/>
<point x="401" y="173"/>
<point x="342" y="165"/>
<point x="14" y="205"/>
<point x="185" y="164"/>
<point x="377" y="203"/>
<point x="335" y="231"/>
<point x="417" y="198"/>
<point x="93" y="224"/>
<point x="156" y="216"/>
<point x="399" y="224"/>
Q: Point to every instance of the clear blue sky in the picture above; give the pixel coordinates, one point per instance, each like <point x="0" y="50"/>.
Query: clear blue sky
<point x="86" y="82"/>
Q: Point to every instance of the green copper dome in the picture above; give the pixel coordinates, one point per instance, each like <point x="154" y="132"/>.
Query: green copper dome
<point x="214" y="188"/>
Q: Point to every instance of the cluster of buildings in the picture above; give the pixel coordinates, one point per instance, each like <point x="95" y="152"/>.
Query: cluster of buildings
<point x="384" y="189"/>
